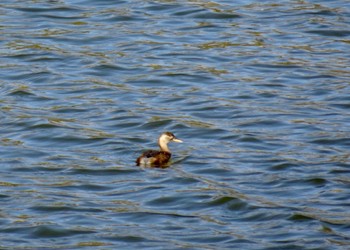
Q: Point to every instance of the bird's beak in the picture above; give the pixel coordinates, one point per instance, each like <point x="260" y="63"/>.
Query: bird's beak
<point x="176" y="140"/>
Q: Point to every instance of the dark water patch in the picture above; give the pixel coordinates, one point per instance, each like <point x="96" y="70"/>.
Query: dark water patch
<point x="268" y="95"/>
<point x="68" y="109"/>
<point x="86" y="187"/>
<point x="300" y="217"/>
<point x="45" y="231"/>
<point x="318" y="182"/>
<point x="346" y="170"/>
<point x="320" y="12"/>
<point x="63" y="16"/>
<point x="2" y="196"/>
<point x="341" y="141"/>
<point x="249" y="139"/>
<point x="199" y="13"/>
<point x="345" y="106"/>
<point x="51" y="231"/>
<point x="283" y="166"/>
<point x="333" y="33"/>
<point x="55" y="209"/>
<point x="216" y="15"/>
<point x="51" y="8"/>
<point x="43" y="126"/>
<point x="128" y="239"/>
<point x="132" y="18"/>
<point x="180" y="181"/>
<point x="21" y="93"/>
<point x="231" y="203"/>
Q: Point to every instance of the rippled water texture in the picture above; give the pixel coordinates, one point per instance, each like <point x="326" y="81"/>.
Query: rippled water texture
<point x="258" y="90"/>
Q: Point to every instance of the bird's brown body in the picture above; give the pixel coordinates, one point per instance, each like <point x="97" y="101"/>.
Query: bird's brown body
<point x="156" y="158"/>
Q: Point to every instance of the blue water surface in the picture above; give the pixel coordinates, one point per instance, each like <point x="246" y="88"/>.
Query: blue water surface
<point x="257" y="90"/>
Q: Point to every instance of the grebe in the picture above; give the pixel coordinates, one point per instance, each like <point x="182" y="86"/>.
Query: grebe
<point x="158" y="158"/>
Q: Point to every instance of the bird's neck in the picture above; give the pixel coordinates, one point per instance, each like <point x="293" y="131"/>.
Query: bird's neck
<point x="163" y="145"/>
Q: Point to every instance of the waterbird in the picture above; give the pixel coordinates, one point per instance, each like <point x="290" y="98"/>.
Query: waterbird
<point x="158" y="158"/>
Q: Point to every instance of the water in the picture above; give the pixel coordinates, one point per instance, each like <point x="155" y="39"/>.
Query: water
<point x="258" y="90"/>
